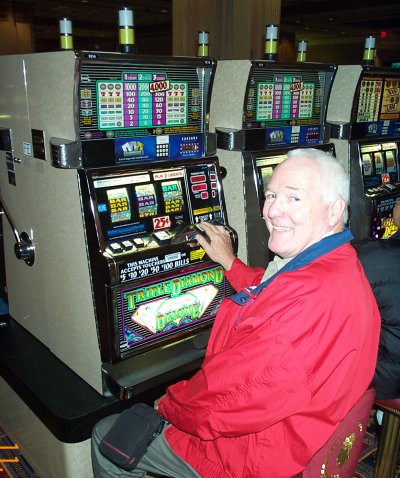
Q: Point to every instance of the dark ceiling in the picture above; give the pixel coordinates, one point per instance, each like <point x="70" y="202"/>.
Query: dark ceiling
<point x="95" y="22"/>
<point x="350" y="17"/>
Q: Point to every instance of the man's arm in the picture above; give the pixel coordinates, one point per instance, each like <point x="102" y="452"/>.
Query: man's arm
<point x="240" y="275"/>
<point x="241" y="390"/>
<point x="218" y="246"/>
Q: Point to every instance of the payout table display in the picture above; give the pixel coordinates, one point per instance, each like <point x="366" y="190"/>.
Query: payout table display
<point x="290" y="104"/>
<point x="378" y="100"/>
<point x="140" y="112"/>
<point x="142" y="100"/>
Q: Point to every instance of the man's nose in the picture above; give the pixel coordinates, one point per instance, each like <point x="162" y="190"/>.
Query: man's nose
<point x="274" y="209"/>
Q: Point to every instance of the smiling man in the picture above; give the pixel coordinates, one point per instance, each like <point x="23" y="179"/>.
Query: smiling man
<point x="289" y="354"/>
<point x="303" y="202"/>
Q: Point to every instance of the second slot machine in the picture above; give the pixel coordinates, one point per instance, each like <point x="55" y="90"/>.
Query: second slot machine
<point x="259" y="111"/>
<point x="364" y="111"/>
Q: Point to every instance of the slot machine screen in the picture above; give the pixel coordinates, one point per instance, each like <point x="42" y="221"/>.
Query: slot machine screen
<point x="380" y="167"/>
<point x="142" y="205"/>
<point x="380" y="164"/>
<point x="139" y="203"/>
<point x="289" y="103"/>
<point x="376" y="106"/>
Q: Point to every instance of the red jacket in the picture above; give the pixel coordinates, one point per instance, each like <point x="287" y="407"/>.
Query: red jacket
<point x="279" y="372"/>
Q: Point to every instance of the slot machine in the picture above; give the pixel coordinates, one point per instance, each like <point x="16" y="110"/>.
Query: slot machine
<point x="107" y="165"/>
<point x="364" y="111"/>
<point x="260" y="110"/>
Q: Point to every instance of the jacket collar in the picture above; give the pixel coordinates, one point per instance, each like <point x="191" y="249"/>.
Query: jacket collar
<point x="315" y="251"/>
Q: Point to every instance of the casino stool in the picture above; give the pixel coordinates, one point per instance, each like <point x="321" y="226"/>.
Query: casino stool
<point x="389" y="441"/>
<point x="339" y="456"/>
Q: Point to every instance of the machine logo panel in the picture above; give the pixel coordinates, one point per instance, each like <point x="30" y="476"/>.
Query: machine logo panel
<point x="150" y="310"/>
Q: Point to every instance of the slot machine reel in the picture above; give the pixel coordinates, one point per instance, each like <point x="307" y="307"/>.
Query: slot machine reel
<point x="24" y="249"/>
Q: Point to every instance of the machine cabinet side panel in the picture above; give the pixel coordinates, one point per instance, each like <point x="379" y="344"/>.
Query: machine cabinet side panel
<point x="227" y="99"/>
<point x="234" y="196"/>
<point x="50" y="94"/>
<point x="257" y="234"/>
<point x="16" y="186"/>
<point x="342" y="94"/>
<point x="342" y="152"/>
<point x="13" y="102"/>
<point x="53" y="298"/>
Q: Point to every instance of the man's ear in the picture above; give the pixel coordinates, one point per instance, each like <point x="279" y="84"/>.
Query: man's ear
<point x="336" y="211"/>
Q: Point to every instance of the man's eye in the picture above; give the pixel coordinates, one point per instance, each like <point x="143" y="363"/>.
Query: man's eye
<point x="269" y="196"/>
<point x="294" y="198"/>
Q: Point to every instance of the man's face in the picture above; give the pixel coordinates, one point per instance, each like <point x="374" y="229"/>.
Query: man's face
<point x="294" y="211"/>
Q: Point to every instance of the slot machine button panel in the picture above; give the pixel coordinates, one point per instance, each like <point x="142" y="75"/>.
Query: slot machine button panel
<point x="116" y="248"/>
<point x="162" y="237"/>
<point x="127" y="245"/>
<point x="138" y="242"/>
<point x="389" y="186"/>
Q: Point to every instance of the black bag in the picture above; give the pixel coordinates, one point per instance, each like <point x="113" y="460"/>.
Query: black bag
<point x="130" y="436"/>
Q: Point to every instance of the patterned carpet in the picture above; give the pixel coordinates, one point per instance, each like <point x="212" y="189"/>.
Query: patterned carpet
<point x="12" y="463"/>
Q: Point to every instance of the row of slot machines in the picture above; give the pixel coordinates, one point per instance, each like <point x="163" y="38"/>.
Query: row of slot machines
<point x="107" y="163"/>
<point x="350" y="111"/>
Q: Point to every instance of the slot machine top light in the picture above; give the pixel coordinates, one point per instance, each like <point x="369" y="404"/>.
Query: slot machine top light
<point x="126" y="31"/>
<point x="66" y="39"/>
<point x="271" y="43"/>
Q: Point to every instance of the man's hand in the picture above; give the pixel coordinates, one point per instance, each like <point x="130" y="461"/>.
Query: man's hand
<point x="217" y="244"/>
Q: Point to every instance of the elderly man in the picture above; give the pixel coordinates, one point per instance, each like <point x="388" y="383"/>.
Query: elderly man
<point x="288" y="356"/>
<point x="381" y="263"/>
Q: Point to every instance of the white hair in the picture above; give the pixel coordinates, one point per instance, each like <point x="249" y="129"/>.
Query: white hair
<point x="334" y="181"/>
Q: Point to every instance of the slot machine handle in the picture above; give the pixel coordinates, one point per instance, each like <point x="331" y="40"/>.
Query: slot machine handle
<point x="23" y="248"/>
<point x="234" y="238"/>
